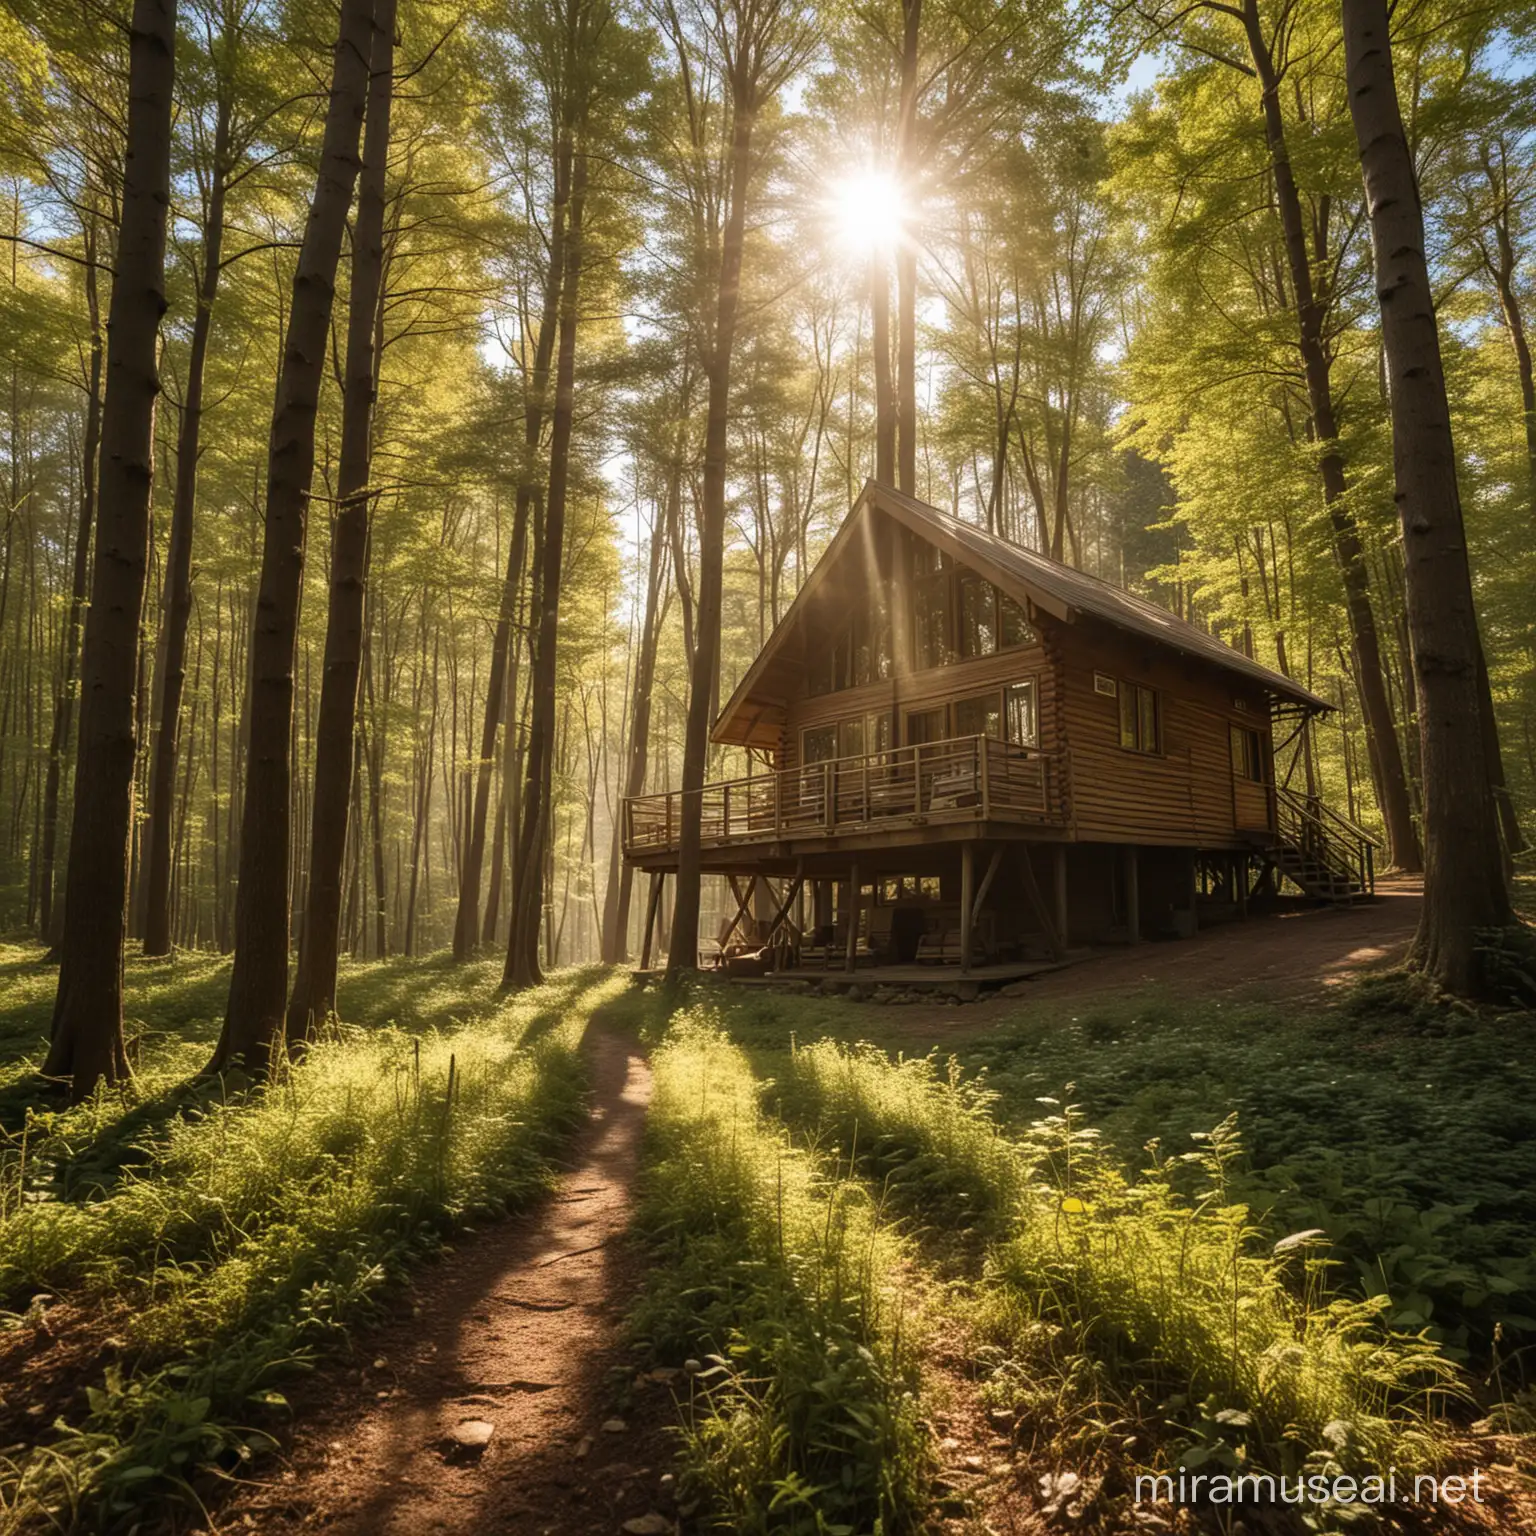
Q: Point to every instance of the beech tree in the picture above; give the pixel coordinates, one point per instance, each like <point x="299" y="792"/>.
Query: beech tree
<point x="314" y="983"/>
<point x="258" y="985"/>
<point x="87" y="1035"/>
<point x="1465" y="889"/>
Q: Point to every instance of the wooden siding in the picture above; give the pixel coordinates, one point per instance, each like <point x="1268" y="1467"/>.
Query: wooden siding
<point x="1184" y="794"/>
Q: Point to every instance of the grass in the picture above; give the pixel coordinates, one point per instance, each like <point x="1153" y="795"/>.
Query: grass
<point x="238" y="1237"/>
<point x="1403" y="1129"/>
<point x="1179" y="1292"/>
<point x="776" y="1276"/>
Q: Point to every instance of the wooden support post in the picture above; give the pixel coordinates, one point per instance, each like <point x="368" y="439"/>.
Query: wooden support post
<point x="1038" y="907"/>
<point x="652" y="904"/>
<point x="1240" y="881"/>
<point x="1059" y="882"/>
<point x="850" y="957"/>
<point x="1132" y="895"/>
<point x="967" y="902"/>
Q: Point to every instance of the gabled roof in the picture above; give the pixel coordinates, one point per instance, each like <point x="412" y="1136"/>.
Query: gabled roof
<point x="1057" y="589"/>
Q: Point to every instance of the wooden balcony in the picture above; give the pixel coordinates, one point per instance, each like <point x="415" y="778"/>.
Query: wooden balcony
<point x="968" y="780"/>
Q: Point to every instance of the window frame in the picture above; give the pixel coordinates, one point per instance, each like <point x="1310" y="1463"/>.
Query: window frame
<point x="1244" y="742"/>
<point x="1131" y="717"/>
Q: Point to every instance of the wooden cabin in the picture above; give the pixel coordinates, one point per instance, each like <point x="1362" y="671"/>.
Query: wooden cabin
<point x="973" y="755"/>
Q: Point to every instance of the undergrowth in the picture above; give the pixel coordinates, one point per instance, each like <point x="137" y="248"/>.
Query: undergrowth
<point x="775" y="1274"/>
<point x="1119" y="1304"/>
<point x="257" y="1227"/>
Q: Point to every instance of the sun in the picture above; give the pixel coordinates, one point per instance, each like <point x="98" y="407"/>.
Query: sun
<point x="868" y="212"/>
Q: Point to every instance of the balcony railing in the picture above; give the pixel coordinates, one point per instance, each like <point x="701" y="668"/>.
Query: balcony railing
<point x="968" y="779"/>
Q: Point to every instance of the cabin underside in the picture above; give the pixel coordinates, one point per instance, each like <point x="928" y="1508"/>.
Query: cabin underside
<point x="995" y="904"/>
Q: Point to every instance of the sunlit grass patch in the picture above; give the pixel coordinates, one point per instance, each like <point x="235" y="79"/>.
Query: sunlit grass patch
<point x="1175" y="1292"/>
<point x="260" y="1226"/>
<point x="779" y="1274"/>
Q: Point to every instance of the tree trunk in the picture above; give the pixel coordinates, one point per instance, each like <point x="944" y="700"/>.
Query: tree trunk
<point x="466" y="925"/>
<point x="616" y="897"/>
<point x="880" y="344"/>
<point x="87" y="1043"/>
<point x="259" y="983"/>
<point x="906" y="256"/>
<point x="683" y="954"/>
<point x="178" y="570"/>
<point x="1381" y="732"/>
<point x="1464" y="883"/>
<point x="64" y="705"/>
<point x="522" y="965"/>
<point x="314" y="981"/>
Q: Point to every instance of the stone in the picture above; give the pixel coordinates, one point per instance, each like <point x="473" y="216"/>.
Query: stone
<point x="693" y="1367"/>
<point x="665" y="1375"/>
<point x="855" y="993"/>
<point x="647" y="1525"/>
<point x="469" y="1437"/>
<point x="583" y="1448"/>
<point x="614" y="1426"/>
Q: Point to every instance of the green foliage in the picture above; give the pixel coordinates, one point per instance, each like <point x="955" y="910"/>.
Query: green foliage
<point x="1399" y="1126"/>
<point x="1164" y="1285"/>
<point x="780" y="1274"/>
<point x="259" y="1226"/>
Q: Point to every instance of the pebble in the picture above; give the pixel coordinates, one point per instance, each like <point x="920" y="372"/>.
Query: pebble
<point x="583" y="1447"/>
<point x="693" y="1367"/>
<point x="470" y="1437"/>
<point x="614" y="1426"/>
<point x="647" y="1525"/>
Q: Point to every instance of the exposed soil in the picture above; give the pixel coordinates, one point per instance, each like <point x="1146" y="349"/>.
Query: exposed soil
<point x="520" y="1329"/>
<point x="1292" y="957"/>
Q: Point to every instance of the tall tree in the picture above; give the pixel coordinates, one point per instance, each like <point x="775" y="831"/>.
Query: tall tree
<point x="87" y="1041"/>
<point x="314" y="982"/>
<point x="258" y="987"/>
<point x="760" y="44"/>
<point x="1465" y="889"/>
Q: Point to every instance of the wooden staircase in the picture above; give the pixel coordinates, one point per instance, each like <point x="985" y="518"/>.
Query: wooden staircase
<point x="1320" y="852"/>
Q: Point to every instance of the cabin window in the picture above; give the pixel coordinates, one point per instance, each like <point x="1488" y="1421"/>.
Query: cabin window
<point x="1139" y="718"/>
<point x="1013" y="626"/>
<point x="818" y="744"/>
<point x="1021" y="714"/>
<point x="855" y="651"/>
<point x="978" y="615"/>
<point x="930" y="622"/>
<point x="877" y="734"/>
<point x="908" y="888"/>
<point x="1247" y="754"/>
<point x="924" y="725"/>
<point x="981" y="715"/>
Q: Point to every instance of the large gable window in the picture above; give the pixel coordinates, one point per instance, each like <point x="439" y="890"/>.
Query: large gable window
<point x="857" y="648"/>
<point x="957" y="614"/>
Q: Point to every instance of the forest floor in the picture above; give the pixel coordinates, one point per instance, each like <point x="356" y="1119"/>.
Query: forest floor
<point x="519" y="1330"/>
<point x="503" y="1385"/>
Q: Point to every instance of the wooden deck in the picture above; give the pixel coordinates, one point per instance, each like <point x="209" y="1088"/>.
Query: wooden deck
<point x="904" y="790"/>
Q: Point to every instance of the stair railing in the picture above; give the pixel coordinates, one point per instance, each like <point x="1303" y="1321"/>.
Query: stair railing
<point x="1346" y="850"/>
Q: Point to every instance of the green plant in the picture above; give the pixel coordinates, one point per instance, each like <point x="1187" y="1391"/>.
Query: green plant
<point x="778" y="1273"/>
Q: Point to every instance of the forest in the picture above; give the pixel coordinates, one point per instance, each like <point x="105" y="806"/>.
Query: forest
<point x="417" y="419"/>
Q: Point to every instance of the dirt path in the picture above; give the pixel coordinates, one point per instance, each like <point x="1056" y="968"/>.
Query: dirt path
<point x="1289" y="957"/>
<point x="519" y="1330"/>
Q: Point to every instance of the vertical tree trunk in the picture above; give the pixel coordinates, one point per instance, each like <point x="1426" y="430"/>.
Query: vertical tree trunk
<point x="87" y="1043"/>
<point x="64" y="706"/>
<point x="522" y="965"/>
<point x="906" y="255"/>
<point x="1464" y="883"/>
<point x="1381" y="732"/>
<point x="178" y="570"/>
<point x="616" y="897"/>
<point x="683" y="953"/>
<point x="314" y="981"/>
<point x="466" y="924"/>
<point x="258" y="985"/>
<point x="880" y="344"/>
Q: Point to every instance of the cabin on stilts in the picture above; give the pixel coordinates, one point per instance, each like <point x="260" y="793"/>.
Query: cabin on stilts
<point x="973" y="758"/>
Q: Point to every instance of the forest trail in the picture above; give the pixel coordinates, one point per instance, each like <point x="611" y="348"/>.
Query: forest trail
<point x="520" y="1329"/>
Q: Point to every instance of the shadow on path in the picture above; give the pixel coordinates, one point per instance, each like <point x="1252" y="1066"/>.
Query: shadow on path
<point x="521" y="1328"/>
